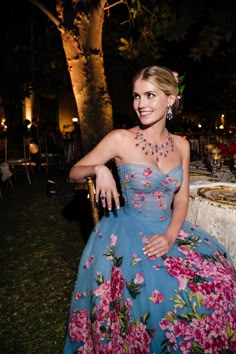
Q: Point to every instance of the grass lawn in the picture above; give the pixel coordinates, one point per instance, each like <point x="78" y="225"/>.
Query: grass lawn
<point x="40" y="250"/>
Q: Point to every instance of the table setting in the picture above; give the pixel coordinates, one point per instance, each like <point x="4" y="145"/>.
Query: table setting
<point x="212" y="201"/>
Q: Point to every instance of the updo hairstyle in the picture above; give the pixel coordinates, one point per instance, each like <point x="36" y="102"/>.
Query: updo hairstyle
<point x="163" y="78"/>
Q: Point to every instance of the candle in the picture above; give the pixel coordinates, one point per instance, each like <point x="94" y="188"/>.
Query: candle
<point x="216" y="150"/>
<point x="210" y="146"/>
<point x="216" y="156"/>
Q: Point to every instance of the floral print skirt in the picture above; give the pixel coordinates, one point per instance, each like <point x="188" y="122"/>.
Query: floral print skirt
<point x="127" y="302"/>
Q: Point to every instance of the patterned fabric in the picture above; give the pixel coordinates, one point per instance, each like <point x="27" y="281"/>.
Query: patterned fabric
<point x="127" y="302"/>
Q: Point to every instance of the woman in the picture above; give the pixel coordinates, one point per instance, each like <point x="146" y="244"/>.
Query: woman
<point x="149" y="281"/>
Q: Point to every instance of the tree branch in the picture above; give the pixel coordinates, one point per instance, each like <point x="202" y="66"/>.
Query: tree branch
<point x="49" y="15"/>
<point x="116" y="3"/>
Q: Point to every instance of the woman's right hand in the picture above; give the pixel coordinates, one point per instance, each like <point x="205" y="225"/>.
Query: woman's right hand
<point x="106" y="188"/>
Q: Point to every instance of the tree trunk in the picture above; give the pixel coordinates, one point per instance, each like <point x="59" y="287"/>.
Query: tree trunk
<point x="85" y="61"/>
<point x="82" y="43"/>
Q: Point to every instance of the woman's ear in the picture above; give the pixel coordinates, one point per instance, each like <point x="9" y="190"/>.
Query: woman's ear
<point x="171" y="100"/>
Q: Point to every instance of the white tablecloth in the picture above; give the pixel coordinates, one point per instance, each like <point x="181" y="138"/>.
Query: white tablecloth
<point x="217" y="218"/>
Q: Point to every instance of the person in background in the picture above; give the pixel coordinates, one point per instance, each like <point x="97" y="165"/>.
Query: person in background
<point x="53" y="135"/>
<point x="34" y="143"/>
<point x="148" y="280"/>
<point x="34" y="131"/>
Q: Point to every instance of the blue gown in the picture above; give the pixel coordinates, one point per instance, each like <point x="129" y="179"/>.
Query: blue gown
<point x="127" y="302"/>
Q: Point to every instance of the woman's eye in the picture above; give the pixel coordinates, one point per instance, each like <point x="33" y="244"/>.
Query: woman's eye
<point x="150" y="95"/>
<point x="135" y="96"/>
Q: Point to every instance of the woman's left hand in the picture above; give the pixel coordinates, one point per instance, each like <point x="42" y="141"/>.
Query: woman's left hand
<point x="158" y="245"/>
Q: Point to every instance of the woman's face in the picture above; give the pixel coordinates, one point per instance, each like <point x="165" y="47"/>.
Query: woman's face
<point x="149" y="102"/>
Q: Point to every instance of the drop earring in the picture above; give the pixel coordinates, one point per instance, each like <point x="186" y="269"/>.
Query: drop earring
<point x="169" y="113"/>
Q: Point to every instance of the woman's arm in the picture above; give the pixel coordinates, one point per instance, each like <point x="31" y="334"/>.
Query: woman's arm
<point x="93" y="164"/>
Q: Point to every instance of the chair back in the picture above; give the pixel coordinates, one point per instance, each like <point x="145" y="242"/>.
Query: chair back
<point x="94" y="207"/>
<point x="3" y="149"/>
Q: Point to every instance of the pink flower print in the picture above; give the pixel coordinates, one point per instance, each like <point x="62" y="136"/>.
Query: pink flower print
<point x="113" y="240"/>
<point x="162" y="205"/>
<point x="180" y="269"/>
<point x="207" y="241"/>
<point x="89" y="262"/>
<point x="157" y="195"/>
<point x="135" y="259"/>
<point x="137" y="205"/>
<point x="145" y="239"/>
<point x="147" y="172"/>
<point x="182" y="234"/>
<point x="139" y="279"/>
<point x="156" y="297"/>
<point x="128" y="303"/>
<point x="140" y="196"/>
<point x="103" y="291"/>
<point x="166" y="322"/>
<point x="146" y="184"/>
<point x="177" y="183"/>
<point x="133" y="175"/>
<point x="167" y="180"/>
<point x="79" y="327"/>
<point x="186" y="347"/>
<point x="117" y="283"/>
<point x="183" y="249"/>
<point x="126" y="178"/>
<point x="171" y="337"/>
<point x="137" y="339"/>
<point x="162" y="218"/>
<point x="98" y="233"/>
<point x="78" y="295"/>
<point x="156" y="266"/>
<point x="151" y="258"/>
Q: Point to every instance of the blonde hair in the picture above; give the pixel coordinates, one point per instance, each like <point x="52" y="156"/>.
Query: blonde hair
<point x="161" y="77"/>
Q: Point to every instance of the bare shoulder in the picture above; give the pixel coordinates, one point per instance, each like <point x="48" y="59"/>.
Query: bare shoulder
<point x="118" y="135"/>
<point x="180" y="141"/>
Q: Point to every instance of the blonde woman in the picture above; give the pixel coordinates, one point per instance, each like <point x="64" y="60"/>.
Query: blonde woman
<point x="149" y="281"/>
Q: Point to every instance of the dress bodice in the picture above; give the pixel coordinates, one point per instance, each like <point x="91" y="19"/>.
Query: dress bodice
<point x="147" y="192"/>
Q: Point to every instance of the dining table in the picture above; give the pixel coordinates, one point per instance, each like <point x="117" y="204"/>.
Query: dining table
<point x="212" y="206"/>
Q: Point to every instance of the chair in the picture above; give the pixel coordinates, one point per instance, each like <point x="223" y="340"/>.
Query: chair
<point x="94" y="207"/>
<point x="5" y="173"/>
<point x="3" y="152"/>
<point x="18" y="155"/>
<point x="48" y="158"/>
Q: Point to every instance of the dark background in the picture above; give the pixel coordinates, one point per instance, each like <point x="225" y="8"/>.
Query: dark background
<point x="31" y="52"/>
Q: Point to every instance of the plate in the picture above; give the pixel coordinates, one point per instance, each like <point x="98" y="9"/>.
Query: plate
<point x="199" y="170"/>
<point x="219" y="194"/>
<point x="198" y="174"/>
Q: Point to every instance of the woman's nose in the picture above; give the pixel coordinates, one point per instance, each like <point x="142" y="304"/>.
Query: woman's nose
<point x="141" y="102"/>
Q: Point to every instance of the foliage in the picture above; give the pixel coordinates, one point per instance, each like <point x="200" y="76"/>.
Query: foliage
<point x="195" y="38"/>
<point x="153" y="23"/>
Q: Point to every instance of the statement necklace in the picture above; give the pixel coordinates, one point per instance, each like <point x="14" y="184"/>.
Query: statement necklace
<point x="154" y="149"/>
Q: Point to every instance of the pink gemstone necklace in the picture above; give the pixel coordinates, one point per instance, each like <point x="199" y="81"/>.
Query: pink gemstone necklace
<point x="154" y="149"/>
